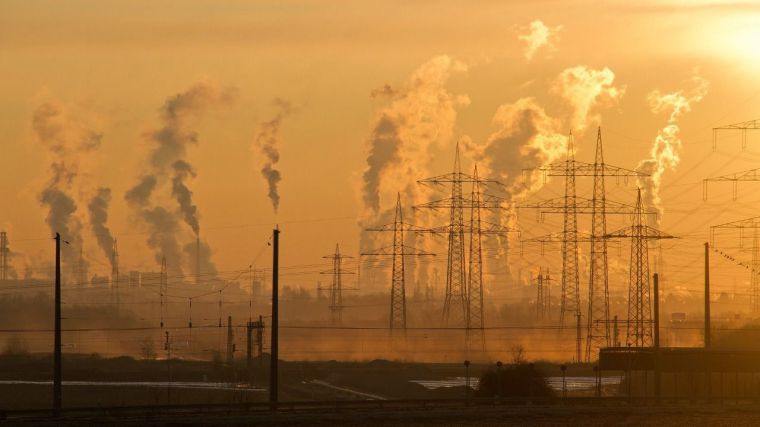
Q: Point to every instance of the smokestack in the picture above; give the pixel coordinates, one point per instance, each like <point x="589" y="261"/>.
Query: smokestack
<point x="197" y="260"/>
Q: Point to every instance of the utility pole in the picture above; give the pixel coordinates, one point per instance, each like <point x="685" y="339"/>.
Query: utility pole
<point x="257" y="325"/>
<point x="168" y="348"/>
<point x="4" y="255"/>
<point x="399" y="251"/>
<point x="57" y="337"/>
<point x="273" y="374"/>
<point x="115" y="276"/>
<point x="230" y="342"/>
<point x="162" y="288"/>
<point x="578" y="337"/>
<point x="708" y="341"/>
<point x="657" y="371"/>
<point x="540" y="309"/>
<point x="198" y="260"/>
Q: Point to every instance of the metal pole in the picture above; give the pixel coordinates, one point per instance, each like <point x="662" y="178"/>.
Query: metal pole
<point x="467" y="379"/>
<point x="168" y="348"/>
<point x="657" y="372"/>
<point x="57" y="336"/>
<point x="498" y="378"/>
<point x="707" y="295"/>
<point x="275" y="323"/>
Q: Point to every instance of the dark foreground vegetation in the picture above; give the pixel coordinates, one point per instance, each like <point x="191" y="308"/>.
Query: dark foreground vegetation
<point x="299" y="381"/>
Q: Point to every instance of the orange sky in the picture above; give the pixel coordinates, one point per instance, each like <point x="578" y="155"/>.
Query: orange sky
<point x="113" y="65"/>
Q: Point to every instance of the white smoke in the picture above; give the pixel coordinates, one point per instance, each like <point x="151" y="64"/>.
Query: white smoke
<point x="537" y="35"/>
<point x="421" y="114"/>
<point x="665" y="153"/>
<point x="584" y="89"/>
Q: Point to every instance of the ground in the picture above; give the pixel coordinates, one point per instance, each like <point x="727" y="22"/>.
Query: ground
<point x="692" y="416"/>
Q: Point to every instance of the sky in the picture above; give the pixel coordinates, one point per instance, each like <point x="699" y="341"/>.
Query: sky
<point x="343" y="104"/>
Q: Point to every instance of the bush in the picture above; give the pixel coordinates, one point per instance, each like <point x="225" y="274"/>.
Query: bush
<point x="518" y="380"/>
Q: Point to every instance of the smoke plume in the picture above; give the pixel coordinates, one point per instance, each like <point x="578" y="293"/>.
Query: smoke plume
<point x="98" y="208"/>
<point x="537" y="35"/>
<point x="666" y="149"/>
<point x="584" y="89"/>
<point x="184" y="196"/>
<point x="525" y="137"/>
<point x="205" y="265"/>
<point x="267" y="139"/>
<point x="170" y="170"/>
<point x="422" y="113"/>
<point x="69" y="142"/>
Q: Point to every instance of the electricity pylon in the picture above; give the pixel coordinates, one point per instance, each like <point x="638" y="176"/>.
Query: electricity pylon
<point x="597" y="326"/>
<point x="470" y="293"/>
<point x="398" y="251"/>
<point x="639" y="330"/>
<point x="754" y="268"/>
<point x="456" y="302"/>
<point x="752" y="175"/>
<point x="743" y="127"/>
<point x="336" y="287"/>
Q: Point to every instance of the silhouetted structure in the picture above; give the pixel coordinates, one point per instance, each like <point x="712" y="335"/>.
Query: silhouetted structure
<point x="463" y="302"/>
<point x="399" y="251"/>
<point x="4" y="255"/>
<point x="336" y="287"/>
<point x="639" y="328"/>
<point x="742" y="127"/>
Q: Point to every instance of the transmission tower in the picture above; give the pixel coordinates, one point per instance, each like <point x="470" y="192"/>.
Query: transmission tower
<point x="754" y="268"/>
<point x="597" y="321"/>
<point x="4" y="255"/>
<point x="399" y="251"/>
<point x="475" y="321"/>
<point x="743" y="127"/>
<point x="639" y="330"/>
<point x="457" y="298"/>
<point x="336" y="287"/>
<point x="162" y="289"/>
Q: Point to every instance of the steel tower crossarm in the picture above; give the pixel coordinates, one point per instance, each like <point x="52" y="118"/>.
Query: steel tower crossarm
<point x="742" y="126"/>
<point x="752" y="175"/>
